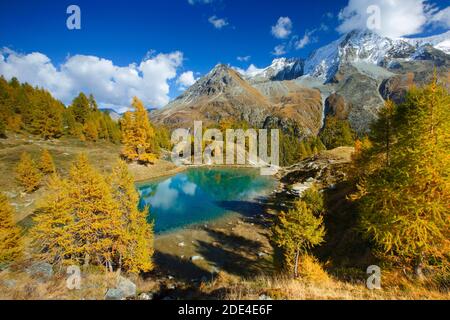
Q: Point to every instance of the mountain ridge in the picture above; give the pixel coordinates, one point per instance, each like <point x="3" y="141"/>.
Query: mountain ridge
<point x="361" y="69"/>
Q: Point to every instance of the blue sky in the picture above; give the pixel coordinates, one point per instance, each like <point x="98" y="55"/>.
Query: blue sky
<point x="126" y="32"/>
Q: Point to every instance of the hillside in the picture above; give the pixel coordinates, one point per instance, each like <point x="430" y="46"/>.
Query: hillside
<point x="224" y="94"/>
<point x="103" y="155"/>
<point x="249" y="275"/>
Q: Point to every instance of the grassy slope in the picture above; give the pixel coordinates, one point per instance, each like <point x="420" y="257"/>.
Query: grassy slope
<point x="316" y="283"/>
<point x="103" y="155"/>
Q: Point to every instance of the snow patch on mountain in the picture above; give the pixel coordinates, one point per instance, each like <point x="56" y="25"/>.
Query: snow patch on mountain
<point x="440" y="42"/>
<point x="281" y="69"/>
<point x="367" y="47"/>
<point x="356" y="46"/>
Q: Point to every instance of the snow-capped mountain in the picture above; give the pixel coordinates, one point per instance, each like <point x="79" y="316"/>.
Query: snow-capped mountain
<point x="369" y="47"/>
<point x="359" y="46"/>
<point x="356" y="46"/>
<point x="349" y="78"/>
<point x="440" y="42"/>
<point x="281" y="69"/>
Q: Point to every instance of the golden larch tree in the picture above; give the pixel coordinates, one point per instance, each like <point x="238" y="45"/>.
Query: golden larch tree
<point x="136" y="242"/>
<point x="404" y="205"/>
<point x="10" y="237"/>
<point x="28" y="174"/>
<point x="97" y="217"/>
<point x="47" y="165"/>
<point x="138" y="135"/>
<point x="52" y="236"/>
<point x="300" y="229"/>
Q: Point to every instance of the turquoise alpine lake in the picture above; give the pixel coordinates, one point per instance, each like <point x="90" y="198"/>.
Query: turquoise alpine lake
<point x="199" y="195"/>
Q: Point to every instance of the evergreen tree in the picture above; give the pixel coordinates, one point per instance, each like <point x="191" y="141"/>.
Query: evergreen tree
<point x="10" y="239"/>
<point x="382" y="131"/>
<point x="27" y="173"/>
<point x="47" y="165"/>
<point x="337" y="133"/>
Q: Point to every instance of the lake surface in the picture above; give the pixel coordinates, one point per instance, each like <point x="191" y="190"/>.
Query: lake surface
<point x="199" y="195"/>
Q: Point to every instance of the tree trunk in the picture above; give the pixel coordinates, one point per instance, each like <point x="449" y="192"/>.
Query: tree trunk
<point x="87" y="259"/>
<point x="297" y="255"/>
<point x="418" y="268"/>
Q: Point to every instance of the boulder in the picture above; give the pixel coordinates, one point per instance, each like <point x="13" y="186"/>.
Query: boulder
<point x="264" y="297"/>
<point x="195" y="258"/>
<point x="124" y="289"/>
<point x="146" y="296"/>
<point x="126" y="286"/>
<point x="41" y="270"/>
<point x="114" y="294"/>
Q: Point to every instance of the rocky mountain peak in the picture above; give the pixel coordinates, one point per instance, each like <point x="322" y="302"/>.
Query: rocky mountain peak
<point x="368" y="47"/>
<point x="440" y="42"/>
<point x="351" y="75"/>
<point x="281" y="69"/>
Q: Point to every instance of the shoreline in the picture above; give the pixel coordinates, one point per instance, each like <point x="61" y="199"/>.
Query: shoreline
<point x="143" y="173"/>
<point x="160" y="169"/>
<point x="236" y="243"/>
<point x="262" y="199"/>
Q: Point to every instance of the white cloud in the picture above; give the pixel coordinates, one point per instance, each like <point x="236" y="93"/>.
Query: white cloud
<point x="279" y="50"/>
<point x="218" y="23"/>
<point x="112" y="85"/>
<point x="165" y="196"/>
<point x="251" y="71"/>
<point x="193" y="2"/>
<point x="398" y="17"/>
<point x="283" y="28"/>
<point x="185" y="80"/>
<point x="189" y="188"/>
<point x="441" y="18"/>
<point x="309" y="37"/>
<point x="244" y="59"/>
<point x="303" y="42"/>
